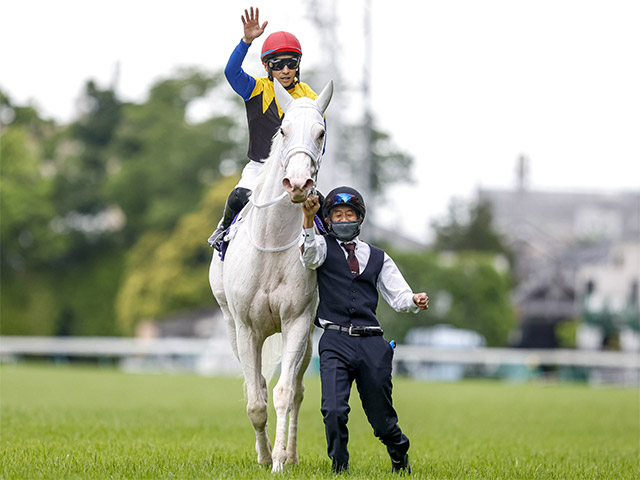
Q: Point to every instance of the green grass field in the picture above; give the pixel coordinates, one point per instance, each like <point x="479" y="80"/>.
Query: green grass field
<point x="84" y="422"/>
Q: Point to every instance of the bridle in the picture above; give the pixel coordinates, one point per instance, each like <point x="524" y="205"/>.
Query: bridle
<point x="301" y="146"/>
<point x="285" y="157"/>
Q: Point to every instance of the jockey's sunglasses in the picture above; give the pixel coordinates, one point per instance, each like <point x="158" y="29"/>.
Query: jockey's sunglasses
<point x="278" y="64"/>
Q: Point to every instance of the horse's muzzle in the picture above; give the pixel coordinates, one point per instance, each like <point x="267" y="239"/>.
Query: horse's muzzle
<point x="298" y="191"/>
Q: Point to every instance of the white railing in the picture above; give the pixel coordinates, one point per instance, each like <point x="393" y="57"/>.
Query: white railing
<point x="102" y="346"/>
<point x="12" y="346"/>
<point x="206" y="356"/>
<point x="518" y="356"/>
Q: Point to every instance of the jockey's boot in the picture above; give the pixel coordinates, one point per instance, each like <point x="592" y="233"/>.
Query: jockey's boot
<point x="238" y="198"/>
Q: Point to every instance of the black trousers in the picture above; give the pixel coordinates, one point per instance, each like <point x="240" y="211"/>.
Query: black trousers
<point x="367" y="361"/>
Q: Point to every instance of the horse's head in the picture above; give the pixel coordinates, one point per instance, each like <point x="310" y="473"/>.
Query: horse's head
<point x="303" y="135"/>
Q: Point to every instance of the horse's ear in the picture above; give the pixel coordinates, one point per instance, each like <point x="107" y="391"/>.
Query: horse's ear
<point x="325" y="96"/>
<point x="283" y="97"/>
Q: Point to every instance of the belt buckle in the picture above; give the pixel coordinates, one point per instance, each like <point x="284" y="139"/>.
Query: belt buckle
<point x="355" y="331"/>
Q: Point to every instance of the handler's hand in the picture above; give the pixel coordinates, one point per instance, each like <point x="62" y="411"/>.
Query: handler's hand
<point x="310" y="206"/>
<point x="421" y="300"/>
<point x="252" y="28"/>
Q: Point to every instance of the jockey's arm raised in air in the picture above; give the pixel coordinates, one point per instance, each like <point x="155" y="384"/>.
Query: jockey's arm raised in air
<point x="241" y="82"/>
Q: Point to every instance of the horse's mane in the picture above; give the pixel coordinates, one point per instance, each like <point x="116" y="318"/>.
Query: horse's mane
<point x="276" y="148"/>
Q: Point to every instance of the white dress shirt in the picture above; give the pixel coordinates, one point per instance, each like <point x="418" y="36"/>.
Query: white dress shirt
<point x="391" y="284"/>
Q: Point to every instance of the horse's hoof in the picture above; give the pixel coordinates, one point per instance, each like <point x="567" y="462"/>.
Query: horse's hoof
<point x="264" y="460"/>
<point x="277" y="467"/>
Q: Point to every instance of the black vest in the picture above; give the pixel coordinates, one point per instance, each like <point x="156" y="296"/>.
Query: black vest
<point x="343" y="299"/>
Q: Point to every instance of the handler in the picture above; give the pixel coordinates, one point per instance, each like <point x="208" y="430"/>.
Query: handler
<point x="281" y="54"/>
<point x="350" y="273"/>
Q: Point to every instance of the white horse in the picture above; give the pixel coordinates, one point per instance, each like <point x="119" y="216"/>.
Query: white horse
<point x="262" y="287"/>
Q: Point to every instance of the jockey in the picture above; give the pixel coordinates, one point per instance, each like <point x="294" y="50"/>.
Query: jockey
<point x="350" y="273"/>
<point x="281" y="54"/>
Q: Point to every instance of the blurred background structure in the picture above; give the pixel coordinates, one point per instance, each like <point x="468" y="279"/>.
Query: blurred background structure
<point x="105" y="211"/>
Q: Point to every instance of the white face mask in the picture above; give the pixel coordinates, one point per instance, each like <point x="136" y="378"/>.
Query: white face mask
<point x="345" y="231"/>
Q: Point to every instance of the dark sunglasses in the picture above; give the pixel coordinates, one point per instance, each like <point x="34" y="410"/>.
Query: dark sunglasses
<point x="278" y="64"/>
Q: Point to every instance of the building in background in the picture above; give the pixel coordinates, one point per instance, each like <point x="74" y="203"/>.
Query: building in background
<point x="577" y="255"/>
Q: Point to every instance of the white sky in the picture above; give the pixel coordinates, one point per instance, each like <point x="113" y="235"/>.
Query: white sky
<point x="465" y="86"/>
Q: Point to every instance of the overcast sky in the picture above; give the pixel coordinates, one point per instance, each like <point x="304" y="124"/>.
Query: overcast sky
<point x="464" y="86"/>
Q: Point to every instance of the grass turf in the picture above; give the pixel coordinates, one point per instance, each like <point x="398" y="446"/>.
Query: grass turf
<point x="84" y="422"/>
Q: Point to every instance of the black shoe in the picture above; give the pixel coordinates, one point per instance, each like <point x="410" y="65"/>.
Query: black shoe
<point x="401" y="466"/>
<point x="215" y="240"/>
<point x="340" y="469"/>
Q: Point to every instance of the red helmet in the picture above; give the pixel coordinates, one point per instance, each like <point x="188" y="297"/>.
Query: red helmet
<point x="280" y="43"/>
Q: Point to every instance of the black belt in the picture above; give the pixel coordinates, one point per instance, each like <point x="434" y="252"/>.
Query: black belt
<point x="355" y="331"/>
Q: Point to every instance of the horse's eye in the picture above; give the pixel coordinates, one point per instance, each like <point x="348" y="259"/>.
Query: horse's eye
<point x="281" y="131"/>
<point x="321" y="134"/>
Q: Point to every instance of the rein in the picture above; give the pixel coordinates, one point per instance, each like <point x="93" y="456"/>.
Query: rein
<point x="269" y="203"/>
<point x="265" y="205"/>
<point x="271" y="250"/>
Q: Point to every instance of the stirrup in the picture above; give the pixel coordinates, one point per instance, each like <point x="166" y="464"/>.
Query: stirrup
<point x="215" y="240"/>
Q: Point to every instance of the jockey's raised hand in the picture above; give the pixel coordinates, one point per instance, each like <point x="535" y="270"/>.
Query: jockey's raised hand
<point x="252" y="28"/>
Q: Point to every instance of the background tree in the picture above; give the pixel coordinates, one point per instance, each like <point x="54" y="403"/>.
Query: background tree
<point x="80" y="178"/>
<point x="163" y="164"/>
<point x="468" y="227"/>
<point x="169" y="273"/>
<point x="468" y="290"/>
<point x="147" y="161"/>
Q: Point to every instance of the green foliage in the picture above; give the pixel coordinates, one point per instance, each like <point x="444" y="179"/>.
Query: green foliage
<point x="99" y="423"/>
<point x="163" y="164"/>
<point x="466" y="291"/>
<point x="70" y="299"/>
<point x="102" y="112"/>
<point x="82" y="171"/>
<point x="28" y="304"/>
<point x="566" y="333"/>
<point x="469" y="227"/>
<point x="389" y="164"/>
<point x="168" y="273"/>
<point x="25" y="203"/>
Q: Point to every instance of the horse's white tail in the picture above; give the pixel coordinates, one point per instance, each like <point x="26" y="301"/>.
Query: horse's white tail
<point x="271" y="355"/>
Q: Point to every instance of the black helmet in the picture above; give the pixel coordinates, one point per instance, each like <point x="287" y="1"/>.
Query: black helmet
<point x="344" y="196"/>
<point x="344" y="231"/>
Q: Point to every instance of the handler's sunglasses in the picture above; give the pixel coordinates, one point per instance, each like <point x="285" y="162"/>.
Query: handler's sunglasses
<point x="278" y="64"/>
<point x="343" y="198"/>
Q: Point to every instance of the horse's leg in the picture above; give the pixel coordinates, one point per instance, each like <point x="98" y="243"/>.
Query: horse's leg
<point x="217" y="287"/>
<point x="294" y="349"/>
<point x="249" y="353"/>
<point x="292" y="440"/>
